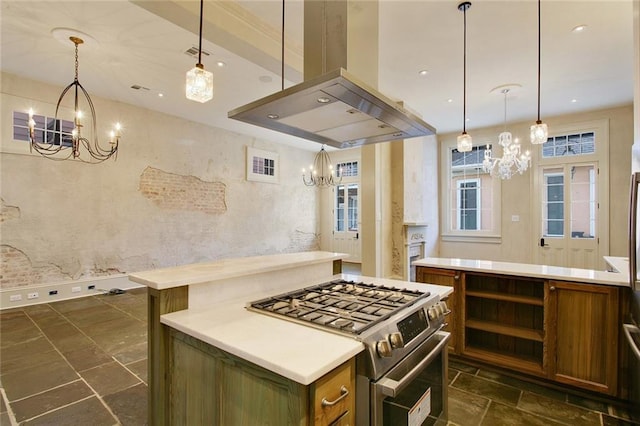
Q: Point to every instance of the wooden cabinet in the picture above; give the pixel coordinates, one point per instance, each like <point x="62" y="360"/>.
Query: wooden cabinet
<point x="583" y="335"/>
<point x="504" y="321"/>
<point x="448" y="278"/>
<point x="558" y="330"/>
<point x="209" y="386"/>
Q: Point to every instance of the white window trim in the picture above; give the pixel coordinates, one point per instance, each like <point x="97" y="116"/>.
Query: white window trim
<point x="448" y="234"/>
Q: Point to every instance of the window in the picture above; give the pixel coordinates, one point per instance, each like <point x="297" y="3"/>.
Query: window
<point x="468" y="211"/>
<point x="346" y="207"/>
<point x="47" y="129"/>
<point x="567" y="145"/>
<point x="348" y="169"/>
<point x="553" y="203"/>
<point x="468" y="203"/>
<point x="262" y="166"/>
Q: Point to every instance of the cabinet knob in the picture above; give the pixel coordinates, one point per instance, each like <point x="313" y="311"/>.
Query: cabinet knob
<point x="456" y="277"/>
<point x="552" y="288"/>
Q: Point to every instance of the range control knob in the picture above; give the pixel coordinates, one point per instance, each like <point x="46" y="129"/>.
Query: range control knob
<point x="396" y="340"/>
<point x="445" y="308"/>
<point x="383" y="348"/>
<point x="432" y="313"/>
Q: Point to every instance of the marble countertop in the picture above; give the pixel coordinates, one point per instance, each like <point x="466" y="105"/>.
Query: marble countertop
<point x="199" y="273"/>
<point x="619" y="279"/>
<point x="298" y="352"/>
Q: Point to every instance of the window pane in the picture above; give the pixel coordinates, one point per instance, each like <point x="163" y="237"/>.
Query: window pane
<point x="583" y="201"/>
<point x="352" y="192"/>
<point x="553" y="203"/>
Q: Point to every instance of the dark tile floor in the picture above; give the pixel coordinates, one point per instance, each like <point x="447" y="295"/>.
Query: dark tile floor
<point x="84" y="362"/>
<point x="75" y="362"/>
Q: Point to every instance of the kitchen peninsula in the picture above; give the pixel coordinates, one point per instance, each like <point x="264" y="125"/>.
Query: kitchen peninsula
<point x="558" y="324"/>
<point x="211" y="361"/>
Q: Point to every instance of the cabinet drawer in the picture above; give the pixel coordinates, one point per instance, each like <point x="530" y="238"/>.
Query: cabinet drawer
<point x="333" y="396"/>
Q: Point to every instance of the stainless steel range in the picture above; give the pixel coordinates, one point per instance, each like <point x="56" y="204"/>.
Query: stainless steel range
<point x="401" y="376"/>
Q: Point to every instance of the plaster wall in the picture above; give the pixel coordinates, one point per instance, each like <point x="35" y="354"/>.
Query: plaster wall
<point x="518" y="243"/>
<point x="67" y="220"/>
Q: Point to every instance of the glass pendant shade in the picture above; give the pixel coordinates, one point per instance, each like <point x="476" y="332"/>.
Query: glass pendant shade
<point x="199" y="84"/>
<point x="539" y="133"/>
<point x="464" y="142"/>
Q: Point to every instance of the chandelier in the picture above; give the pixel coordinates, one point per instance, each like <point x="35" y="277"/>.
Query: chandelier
<point x="199" y="86"/>
<point x="321" y="172"/>
<point x="512" y="160"/>
<point x="464" y="139"/>
<point x="68" y="146"/>
<point x="539" y="131"/>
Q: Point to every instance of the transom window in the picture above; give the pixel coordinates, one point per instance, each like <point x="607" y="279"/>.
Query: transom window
<point x="568" y="145"/>
<point x="347" y="169"/>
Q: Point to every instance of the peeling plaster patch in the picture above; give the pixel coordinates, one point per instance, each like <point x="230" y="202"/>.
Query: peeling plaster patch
<point x="17" y="270"/>
<point x="8" y="212"/>
<point x="178" y="192"/>
<point x="303" y="241"/>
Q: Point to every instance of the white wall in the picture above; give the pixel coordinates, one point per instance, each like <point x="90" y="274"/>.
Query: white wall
<point x="66" y="220"/>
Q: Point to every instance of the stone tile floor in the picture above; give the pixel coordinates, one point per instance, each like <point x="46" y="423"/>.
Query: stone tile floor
<point x="84" y="362"/>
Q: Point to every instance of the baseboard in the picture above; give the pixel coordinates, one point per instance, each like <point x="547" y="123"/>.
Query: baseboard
<point x="35" y="294"/>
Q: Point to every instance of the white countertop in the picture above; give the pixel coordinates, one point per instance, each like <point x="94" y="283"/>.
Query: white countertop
<point x="618" y="264"/>
<point x="298" y="352"/>
<point x="224" y="269"/>
<point x="529" y="270"/>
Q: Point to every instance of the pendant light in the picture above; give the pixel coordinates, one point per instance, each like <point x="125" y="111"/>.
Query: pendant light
<point x="464" y="139"/>
<point x="539" y="131"/>
<point x="199" y="81"/>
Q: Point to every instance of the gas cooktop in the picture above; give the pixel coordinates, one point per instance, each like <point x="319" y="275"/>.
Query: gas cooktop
<point x="344" y="306"/>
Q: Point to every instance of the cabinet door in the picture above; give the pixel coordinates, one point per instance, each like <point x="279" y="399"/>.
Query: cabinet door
<point x="449" y="278"/>
<point x="583" y="335"/>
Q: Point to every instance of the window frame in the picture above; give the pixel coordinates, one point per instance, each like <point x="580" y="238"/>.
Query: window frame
<point x="492" y="233"/>
<point x="478" y="210"/>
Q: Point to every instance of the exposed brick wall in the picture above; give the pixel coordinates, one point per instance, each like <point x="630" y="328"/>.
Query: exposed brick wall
<point x="178" y="192"/>
<point x="8" y="212"/>
<point x="303" y="241"/>
<point x="18" y="271"/>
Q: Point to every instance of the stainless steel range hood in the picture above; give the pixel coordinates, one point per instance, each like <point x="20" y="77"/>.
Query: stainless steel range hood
<point x="335" y="109"/>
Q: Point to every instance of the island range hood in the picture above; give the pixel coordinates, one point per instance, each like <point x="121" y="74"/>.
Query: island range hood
<point x="335" y="109"/>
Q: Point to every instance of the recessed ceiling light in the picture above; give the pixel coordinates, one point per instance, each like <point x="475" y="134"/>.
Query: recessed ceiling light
<point x="161" y="95"/>
<point x="449" y="100"/>
<point x="220" y="64"/>
<point x="579" y="28"/>
<point x="422" y="73"/>
<point x="468" y="119"/>
<point x="573" y="101"/>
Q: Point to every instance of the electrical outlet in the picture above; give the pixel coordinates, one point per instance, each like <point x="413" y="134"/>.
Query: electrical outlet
<point x="53" y="292"/>
<point x="91" y="287"/>
<point x="33" y="295"/>
<point x="76" y="289"/>
<point x="15" y="297"/>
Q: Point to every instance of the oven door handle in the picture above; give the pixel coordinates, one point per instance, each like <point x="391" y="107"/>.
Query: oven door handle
<point x="628" y="330"/>
<point x="392" y="388"/>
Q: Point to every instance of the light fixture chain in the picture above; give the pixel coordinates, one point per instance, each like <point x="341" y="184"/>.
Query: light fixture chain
<point x="76" y="44"/>
<point x="282" y="47"/>
<point x="464" y="73"/>
<point x="539" y="42"/>
<point x="200" y="38"/>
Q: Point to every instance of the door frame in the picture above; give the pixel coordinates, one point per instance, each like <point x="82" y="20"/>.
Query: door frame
<point x="600" y="158"/>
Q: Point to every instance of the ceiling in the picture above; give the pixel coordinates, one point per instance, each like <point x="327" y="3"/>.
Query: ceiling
<point x="143" y="43"/>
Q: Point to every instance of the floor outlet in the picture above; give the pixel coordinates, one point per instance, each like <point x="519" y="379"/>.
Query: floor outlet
<point x="15" y="298"/>
<point x="76" y="289"/>
<point x="32" y="295"/>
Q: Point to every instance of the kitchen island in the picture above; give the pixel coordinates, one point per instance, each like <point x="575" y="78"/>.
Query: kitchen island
<point x="559" y="324"/>
<point x="211" y="361"/>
